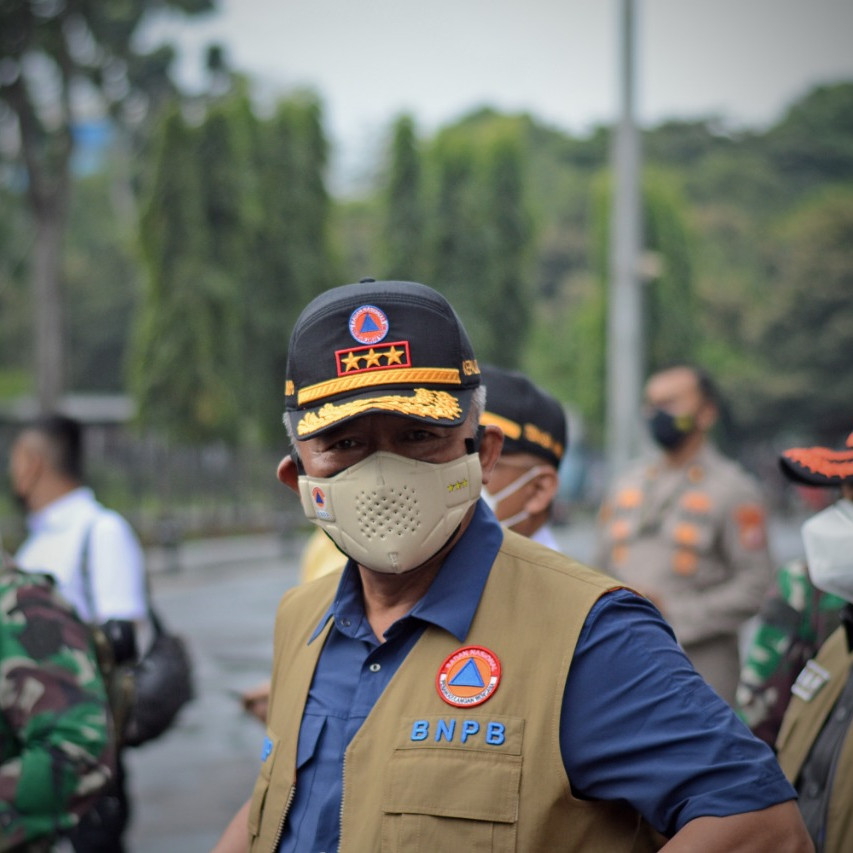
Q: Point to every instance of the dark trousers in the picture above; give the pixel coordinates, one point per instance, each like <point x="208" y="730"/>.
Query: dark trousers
<point x="101" y="829"/>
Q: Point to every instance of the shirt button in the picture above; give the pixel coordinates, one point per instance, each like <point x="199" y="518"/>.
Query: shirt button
<point x="375" y="667"/>
<point x="841" y="713"/>
<point x="813" y="790"/>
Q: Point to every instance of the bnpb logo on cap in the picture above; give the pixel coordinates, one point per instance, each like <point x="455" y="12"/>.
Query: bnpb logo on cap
<point x="468" y="677"/>
<point x="368" y="324"/>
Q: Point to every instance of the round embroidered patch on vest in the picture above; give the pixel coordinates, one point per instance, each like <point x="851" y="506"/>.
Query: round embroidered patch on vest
<point x="468" y="677"/>
<point x="368" y="324"/>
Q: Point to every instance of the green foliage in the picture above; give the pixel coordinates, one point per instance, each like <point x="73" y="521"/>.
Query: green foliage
<point x="184" y="368"/>
<point x="292" y="248"/>
<point x="404" y="206"/>
<point x="808" y="337"/>
<point x="57" y="56"/>
<point x="814" y="141"/>
<point x="480" y="234"/>
<point x="103" y="284"/>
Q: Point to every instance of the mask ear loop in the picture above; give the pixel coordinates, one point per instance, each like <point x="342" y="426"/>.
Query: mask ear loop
<point x="472" y="445"/>
<point x="300" y="468"/>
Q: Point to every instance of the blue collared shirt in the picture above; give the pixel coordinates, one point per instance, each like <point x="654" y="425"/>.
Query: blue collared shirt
<point x="691" y="756"/>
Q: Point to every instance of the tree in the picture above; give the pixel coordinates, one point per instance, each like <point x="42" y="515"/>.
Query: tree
<point x="805" y="349"/>
<point x="506" y="294"/>
<point x="185" y="372"/>
<point x="293" y="258"/>
<point x="404" y="206"/>
<point x="57" y="57"/>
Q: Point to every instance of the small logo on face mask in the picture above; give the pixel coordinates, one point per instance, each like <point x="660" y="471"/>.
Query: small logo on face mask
<point x="319" y="498"/>
<point x="368" y="324"/>
<point x="468" y="677"/>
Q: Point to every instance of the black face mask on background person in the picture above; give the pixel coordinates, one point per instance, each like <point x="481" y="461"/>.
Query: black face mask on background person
<point x="668" y="430"/>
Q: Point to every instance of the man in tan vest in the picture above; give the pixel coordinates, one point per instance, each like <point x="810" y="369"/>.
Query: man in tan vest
<point x="460" y="687"/>
<point x="686" y="527"/>
<point x="815" y="745"/>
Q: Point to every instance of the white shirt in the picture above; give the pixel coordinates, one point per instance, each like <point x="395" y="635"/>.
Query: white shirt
<point x="116" y="562"/>
<point x="545" y="536"/>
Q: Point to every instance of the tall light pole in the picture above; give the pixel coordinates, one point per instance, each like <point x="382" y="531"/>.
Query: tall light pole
<point x="624" y="305"/>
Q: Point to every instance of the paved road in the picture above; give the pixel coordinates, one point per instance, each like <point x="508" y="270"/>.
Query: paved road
<point x="223" y="599"/>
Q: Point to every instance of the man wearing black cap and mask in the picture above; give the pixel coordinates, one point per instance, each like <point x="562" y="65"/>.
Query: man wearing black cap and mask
<point x="413" y="702"/>
<point x="815" y="746"/>
<point x="525" y="478"/>
<point x="687" y="528"/>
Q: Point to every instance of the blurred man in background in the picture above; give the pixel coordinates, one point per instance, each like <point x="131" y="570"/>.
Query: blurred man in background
<point x="687" y="528"/>
<point x="98" y="564"/>
<point x="525" y="480"/>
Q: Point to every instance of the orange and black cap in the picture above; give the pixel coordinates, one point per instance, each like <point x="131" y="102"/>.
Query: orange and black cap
<point x="378" y="346"/>
<point x="532" y="420"/>
<point x="818" y="466"/>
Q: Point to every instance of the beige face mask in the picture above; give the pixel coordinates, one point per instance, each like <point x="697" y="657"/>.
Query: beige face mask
<point x="390" y="513"/>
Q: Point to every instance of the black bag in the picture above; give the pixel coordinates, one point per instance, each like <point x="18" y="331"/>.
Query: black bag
<point x="145" y="695"/>
<point x="162" y="685"/>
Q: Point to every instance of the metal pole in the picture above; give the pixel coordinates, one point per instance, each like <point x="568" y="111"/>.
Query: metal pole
<point x="624" y="315"/>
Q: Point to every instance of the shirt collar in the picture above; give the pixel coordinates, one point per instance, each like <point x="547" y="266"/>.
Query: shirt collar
<point x="57" y="512"/>
<point x="452" y="598"/>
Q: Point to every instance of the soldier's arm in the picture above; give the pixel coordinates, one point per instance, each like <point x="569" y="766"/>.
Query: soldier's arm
<point x="53" y="709"/>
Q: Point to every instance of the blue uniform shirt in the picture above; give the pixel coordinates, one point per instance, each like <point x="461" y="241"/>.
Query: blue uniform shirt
<point x="690" y="757"/>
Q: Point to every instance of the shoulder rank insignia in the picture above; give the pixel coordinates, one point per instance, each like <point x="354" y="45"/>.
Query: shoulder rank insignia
<point x="810" y="680"/>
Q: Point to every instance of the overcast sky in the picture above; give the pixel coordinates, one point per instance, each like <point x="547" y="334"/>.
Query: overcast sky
<point x="370" y="60"/>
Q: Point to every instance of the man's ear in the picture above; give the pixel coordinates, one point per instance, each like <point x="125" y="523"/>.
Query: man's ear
<point x="288" y="473"/>
<point x="491" y="443"/>
<point x="707" y="416"/>
<point x="544" y="489"/>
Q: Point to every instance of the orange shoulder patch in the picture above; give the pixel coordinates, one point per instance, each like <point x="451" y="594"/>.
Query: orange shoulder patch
<point x="629" y="498"/>
<point x="698" y="502"/>
<point x="686" y="534"/>
<point x="752" y="526"/>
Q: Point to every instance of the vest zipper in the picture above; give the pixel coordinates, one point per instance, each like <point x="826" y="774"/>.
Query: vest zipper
<point x="343" y="789"/>
<point x="280" y="830"/>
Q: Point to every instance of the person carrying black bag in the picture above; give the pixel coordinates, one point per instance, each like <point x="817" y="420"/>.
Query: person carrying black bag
<point x="69" y="533"/>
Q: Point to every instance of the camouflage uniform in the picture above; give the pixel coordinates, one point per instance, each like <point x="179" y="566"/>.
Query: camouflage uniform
<point x="55" y="745"/>
<point x="793" y="623"/>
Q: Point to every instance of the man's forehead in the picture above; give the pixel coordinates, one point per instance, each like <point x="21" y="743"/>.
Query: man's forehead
<point x="672" y="383"/>
<point x="376" y="422"/>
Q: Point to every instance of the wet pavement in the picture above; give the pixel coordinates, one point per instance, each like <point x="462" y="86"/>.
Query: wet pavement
<point x="222" y="598"/>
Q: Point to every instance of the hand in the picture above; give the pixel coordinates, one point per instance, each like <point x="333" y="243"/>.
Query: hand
<point x="256" y="701"/>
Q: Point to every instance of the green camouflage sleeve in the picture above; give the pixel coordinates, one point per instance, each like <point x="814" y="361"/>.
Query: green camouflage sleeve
<point x="793" y="623"/>
<point x="56" y="751"/>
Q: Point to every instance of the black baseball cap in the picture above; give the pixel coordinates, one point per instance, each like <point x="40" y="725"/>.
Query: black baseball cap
<point x="818" y="466"/>
<point x="378" y="346"/>
<point x="532" y="420"/>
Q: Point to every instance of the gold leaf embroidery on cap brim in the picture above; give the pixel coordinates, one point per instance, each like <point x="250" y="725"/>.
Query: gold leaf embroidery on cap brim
<point x="424" y="404"/>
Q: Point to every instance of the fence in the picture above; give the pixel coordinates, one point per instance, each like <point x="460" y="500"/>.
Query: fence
<point x="171" y="492"/>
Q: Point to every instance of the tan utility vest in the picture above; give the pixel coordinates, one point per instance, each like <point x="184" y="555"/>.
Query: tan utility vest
<point x="423" y="775"/>
<point x="802" y="724"/>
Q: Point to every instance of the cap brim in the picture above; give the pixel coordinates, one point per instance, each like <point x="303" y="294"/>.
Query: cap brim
<point x="429" y="405"/>
<point x="817" y="466"/>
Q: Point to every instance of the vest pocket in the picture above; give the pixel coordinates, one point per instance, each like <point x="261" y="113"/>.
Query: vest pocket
<point x="451" y="799"/>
